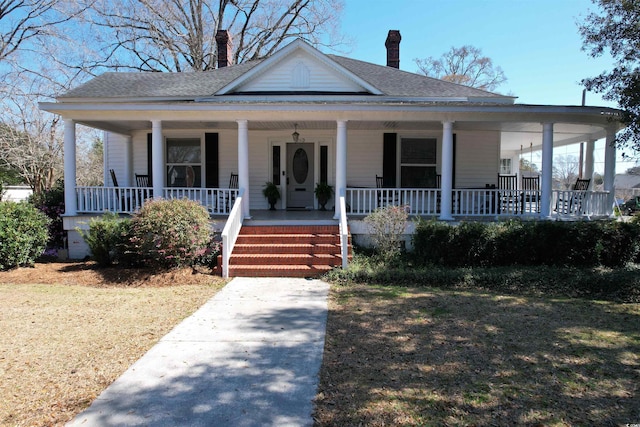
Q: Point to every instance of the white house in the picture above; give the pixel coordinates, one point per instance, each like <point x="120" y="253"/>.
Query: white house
<point x="301" y="117"/>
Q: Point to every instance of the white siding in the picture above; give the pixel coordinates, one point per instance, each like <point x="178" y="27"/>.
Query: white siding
<point x="115" y="152"/>
<point x="364" y="158"/>
<point x="285" y="76"/>
<point x="477" y="159"/>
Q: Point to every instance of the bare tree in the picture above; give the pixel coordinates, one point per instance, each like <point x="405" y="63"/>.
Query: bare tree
<point x="35" y="152"/>
<point x="464" y="65"/>
<point x="179" y="35"/>
<point x="24" y="20"/>
<point x="565" y="171"/>
<point x="90" y="164"/>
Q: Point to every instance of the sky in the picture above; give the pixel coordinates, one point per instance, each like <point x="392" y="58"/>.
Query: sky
<point x="535" y="42"/>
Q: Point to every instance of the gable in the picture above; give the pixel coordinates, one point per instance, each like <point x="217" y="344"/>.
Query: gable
<point x="299" y="68"/>
<point x="300" y="72"/>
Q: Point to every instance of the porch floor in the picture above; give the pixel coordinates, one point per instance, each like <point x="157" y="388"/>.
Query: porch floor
<point x="293" y="217"/>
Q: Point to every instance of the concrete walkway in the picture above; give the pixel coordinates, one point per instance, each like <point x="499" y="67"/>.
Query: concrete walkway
<point x="249" y="357"/>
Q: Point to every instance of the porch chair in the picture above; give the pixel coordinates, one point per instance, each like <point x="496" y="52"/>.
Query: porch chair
<point x="143" y="181"/>
<point x="121" y="198"/>
<point x="385" y="195"/>
<point x="230" y="197"/>
<point x="573" y="204"/>
<point x="531" y="193"/>
<point x="113" y="177"/>
<point x="508" y="193"/>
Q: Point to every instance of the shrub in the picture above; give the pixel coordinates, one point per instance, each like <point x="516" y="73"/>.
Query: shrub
<point x="387" y="226"/>
<point x="106" y="237"/>
<point x="51" y="203"/>
<point x="577" y="244"/>
<point x="210" y="256"/>
<point x="23" y="234"/>
<point x="170" y="233"/>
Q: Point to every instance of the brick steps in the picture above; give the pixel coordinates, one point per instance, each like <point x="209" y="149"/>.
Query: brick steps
<point x="286" y="251"/>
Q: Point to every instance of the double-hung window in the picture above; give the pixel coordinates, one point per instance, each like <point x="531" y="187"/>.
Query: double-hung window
<point x="184" y="162"/>
<point x="418" y="162"/>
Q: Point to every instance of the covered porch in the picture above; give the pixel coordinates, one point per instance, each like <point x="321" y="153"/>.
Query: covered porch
<point x="349" y="155"/>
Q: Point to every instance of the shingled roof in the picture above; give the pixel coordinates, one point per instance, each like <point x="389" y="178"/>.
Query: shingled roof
<point x="188" y="86"/>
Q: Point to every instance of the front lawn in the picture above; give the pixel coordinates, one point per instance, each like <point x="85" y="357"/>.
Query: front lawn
<point x="423" y="356"/>
<point x="70" y="329"/>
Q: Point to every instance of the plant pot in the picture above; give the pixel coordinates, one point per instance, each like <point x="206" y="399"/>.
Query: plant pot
<point x="322" y="201"/>
<point x="272" y="204"/>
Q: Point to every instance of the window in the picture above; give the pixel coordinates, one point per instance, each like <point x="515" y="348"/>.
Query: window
<point x="505" y="166"/>
<point x="184" y="162"/>
<point x="418" y="163"/>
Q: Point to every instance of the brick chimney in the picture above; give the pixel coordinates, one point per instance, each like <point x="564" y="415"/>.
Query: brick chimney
<point x="225" y="54"/>
<point x="393" y="48"/>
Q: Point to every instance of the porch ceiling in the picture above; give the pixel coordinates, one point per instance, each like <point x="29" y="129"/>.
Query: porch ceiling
<point x="514" y="135"/>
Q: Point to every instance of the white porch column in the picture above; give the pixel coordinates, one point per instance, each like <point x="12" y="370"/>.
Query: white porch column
<point x="610" y="166"/>
<point x="157" y="159"/>
<point x="447" y="171"/>
<point x="341" y="164"/>
<point x="128" y="161"/>
<point x="70" y="200"/>
<point x="547" y="170"/>
<point x="589" y="161"/>
<point x="243" y="164"/>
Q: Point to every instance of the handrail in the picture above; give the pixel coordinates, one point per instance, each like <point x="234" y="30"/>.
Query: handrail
<point x="344" y="230"/>
<point x="230" y="232"/>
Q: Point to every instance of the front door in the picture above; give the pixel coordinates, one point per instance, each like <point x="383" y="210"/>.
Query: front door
<point x="300" y="175"/>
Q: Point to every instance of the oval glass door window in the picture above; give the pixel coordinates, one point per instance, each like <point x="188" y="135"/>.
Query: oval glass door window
<point x="300" y="165"/>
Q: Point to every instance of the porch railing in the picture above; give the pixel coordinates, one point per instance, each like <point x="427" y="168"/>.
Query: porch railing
<point x="130" y="199"/>
<point x="230" y="233"/>
<point x="479" y="202"/>
<point x="344" y="231"/>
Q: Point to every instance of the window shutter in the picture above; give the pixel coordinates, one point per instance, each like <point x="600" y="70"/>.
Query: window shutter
<point x="150" y="157"/>
<point x="389" y="159"/>
<point x="211" y="160"/>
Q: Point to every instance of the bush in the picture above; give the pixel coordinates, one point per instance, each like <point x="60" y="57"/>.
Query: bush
<point x="51" y="203"/>
<point x="106" y="237"/>
<point x="170" y="233"/>
<point x="576" y="244"/>
<point x="387" y="226"/>
<point x="210" y="256"/>
<point x="23" y="234"/>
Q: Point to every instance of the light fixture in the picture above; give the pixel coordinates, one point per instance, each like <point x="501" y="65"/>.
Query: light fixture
<point x="295" y="135"/>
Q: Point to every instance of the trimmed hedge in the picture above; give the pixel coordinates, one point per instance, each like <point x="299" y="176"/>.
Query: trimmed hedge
<point x="23" y="234"/>
<point x="516" y="242"/>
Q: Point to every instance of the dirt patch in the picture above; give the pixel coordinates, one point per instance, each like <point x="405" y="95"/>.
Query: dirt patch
<point x="74" y="328"/>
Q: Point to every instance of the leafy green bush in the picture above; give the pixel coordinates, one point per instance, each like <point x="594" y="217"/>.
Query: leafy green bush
<point x="170" y="233"/>
<point x="23" y="234"/>
<point x="577" y="244"/>
<point x="106" y="237"/>
<point x="387" y="226"/>
<point x="51" y="203"/>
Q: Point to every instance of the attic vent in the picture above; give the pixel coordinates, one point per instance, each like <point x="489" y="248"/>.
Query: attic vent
<point x="300" y="76"/>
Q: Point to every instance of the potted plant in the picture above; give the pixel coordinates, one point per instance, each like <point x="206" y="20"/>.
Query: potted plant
<point x="323" y="193"/>
<point x="271" y="192"/>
